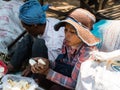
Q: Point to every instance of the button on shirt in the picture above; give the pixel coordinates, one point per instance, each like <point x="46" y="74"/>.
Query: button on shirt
<point x="53" y="39"/>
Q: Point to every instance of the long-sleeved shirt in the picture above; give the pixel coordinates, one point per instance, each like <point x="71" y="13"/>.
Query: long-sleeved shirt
<point x="75" y="58"/>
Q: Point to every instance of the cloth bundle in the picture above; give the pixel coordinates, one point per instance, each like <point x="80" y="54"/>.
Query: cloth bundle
<point x="108" y="31"/>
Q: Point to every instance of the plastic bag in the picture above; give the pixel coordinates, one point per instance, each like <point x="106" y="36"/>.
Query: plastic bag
<point x="14" y="82"/>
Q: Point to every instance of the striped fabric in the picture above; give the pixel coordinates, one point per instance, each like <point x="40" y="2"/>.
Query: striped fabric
<point x="79" y="56"/>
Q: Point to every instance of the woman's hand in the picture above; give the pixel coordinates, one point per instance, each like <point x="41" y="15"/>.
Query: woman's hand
<point x="40" y="67"/>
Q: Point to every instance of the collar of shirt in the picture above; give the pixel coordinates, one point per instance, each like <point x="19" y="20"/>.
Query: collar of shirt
<point x="73" y="51"/>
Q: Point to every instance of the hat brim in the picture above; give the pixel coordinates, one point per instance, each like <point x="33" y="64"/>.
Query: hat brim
<point x="60" y="24"/>
<point x="84" y="34"/>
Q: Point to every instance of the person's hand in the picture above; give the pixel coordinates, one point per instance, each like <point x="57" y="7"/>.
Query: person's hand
<point x="39" y="67"/>
<point x="27" y="71"/>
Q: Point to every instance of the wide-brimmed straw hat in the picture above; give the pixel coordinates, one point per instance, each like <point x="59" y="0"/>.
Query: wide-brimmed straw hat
<point x="83" y="16"/>
<point x="82" y="31"/>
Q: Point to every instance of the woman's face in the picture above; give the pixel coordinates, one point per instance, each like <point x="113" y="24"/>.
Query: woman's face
<point x="71" y="37"/>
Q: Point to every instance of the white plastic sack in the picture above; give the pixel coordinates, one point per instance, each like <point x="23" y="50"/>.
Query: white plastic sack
<point x="95" y="75"/>
<point x="10" y="25"/>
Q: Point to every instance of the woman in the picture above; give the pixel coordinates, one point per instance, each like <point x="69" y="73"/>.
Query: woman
<point x="62" y="74"/>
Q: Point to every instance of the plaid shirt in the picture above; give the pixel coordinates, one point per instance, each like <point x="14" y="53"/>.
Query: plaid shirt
<point x="75" y="58"/>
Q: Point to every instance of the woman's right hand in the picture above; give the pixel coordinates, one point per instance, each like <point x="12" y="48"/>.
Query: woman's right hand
<point x="39" y="67"/>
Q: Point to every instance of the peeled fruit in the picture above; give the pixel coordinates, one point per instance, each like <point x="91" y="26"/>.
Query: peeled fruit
<point x="32" y="62"/>
<point x="41" y="61"/>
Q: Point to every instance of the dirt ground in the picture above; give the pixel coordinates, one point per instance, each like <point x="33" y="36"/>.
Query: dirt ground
<point x="66" y="5"/>
<point x="61" y="5"/>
